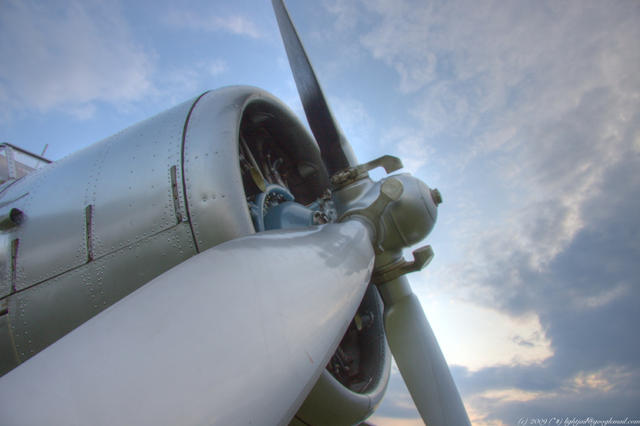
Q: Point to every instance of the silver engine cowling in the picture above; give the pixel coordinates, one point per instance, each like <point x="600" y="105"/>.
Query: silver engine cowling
<point x="104" y="221"/>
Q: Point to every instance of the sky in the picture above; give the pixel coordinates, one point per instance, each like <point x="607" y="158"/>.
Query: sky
<point x="525" y="115"/>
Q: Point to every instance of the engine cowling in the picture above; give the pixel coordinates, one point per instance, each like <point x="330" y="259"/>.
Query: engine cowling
<point x="104" y="221"/>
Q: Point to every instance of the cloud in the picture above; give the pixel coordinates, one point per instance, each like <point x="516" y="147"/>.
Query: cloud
<point x="532" y="113"/>
<point x="177" y="82"/>
<point x="69" y="56"/>
<point x="217" y="67"/>
<point x="397" y="405"/>
<point x="497" y="338"/>
<point x="352" y="114"/>
<point x="603" y="394"/>
<point x="587" y="300"/>
<point x="214" y="21"/>
<point x="408" y="145"/>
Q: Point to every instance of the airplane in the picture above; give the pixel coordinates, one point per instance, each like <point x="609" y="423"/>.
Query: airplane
<point x="216" y="264"/>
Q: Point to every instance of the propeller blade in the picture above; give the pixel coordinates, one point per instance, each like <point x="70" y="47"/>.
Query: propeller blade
<point x="236" y="335"/>
<point x="419" y="358"/>
<point x="336" y="151"/>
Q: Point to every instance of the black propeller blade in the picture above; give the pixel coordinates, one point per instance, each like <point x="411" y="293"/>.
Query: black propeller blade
<point x="336" y="151"/>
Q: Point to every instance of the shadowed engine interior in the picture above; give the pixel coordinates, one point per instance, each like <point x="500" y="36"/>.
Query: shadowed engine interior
<point x="286" y="186"/>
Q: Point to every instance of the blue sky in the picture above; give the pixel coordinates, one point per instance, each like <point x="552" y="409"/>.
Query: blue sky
<point x="526" y="116"/>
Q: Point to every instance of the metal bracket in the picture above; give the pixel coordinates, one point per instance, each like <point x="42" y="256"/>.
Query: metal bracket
<point x="352" y="174"/>
<point x="390" y="190"/>
<point x="421" y="258"/>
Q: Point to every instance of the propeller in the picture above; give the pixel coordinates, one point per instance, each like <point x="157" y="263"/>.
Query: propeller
<point x="227" y="337"/>
<point x="336" y="151"/>
<point x="419" y="358"/>
<point x="230" y="336"/>
<point x="406" y="221"/>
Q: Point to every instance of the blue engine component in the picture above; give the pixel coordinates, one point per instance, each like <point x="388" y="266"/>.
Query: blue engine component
<point x="288" y="215"/>
<point x="275" y="208"/>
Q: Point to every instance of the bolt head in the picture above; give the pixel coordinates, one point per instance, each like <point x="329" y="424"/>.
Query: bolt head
<point x="436" y="196"/>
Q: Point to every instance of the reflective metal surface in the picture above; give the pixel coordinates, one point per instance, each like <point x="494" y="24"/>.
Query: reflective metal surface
<point x="5" y="264"/>
<point x="95" y="226"/>
<point x="52" y="238"/>
<point x="104" y="221"/>
<point x="216" y="204"/>
<point x="331" y="402"/>
<point x="419" y="358"/>
<point x="8" y="356"/>
<point x="130" y="186"/>
<point x="42" y="314"/>
<point x="239" y="333"/>
<point x="227" y="337"/>
<point x="125" y="178"/>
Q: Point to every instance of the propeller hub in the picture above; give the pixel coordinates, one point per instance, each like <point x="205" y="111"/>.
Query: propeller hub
<point x="401" y="210"/>
<point x="408" y="220"/>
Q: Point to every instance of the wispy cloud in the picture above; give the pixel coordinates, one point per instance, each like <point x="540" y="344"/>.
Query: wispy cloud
<point x="497" y="338"/>
<point x="353" y="115"/>
<point x="217" y="67"/>
<point x="397" y="405"/>
<point x="69" y="56"/>
<point x="532" y="112"/>
<point x="408" y="145"/>
<point x="214" y="21"/>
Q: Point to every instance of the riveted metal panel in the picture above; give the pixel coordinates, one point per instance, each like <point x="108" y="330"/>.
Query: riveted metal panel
<point x="127" y="181"/>
<point x="5" y="264"/>
<point x="215" y="195"/>
<point x="194" y="341"/>
<point x="42" y="314"/>
<point x="119" y="273"/>
<point x="52" y="236"/>
<point x="216" y="199"/>
<point x="132" y="192"/>
<point x="8" y="357"/>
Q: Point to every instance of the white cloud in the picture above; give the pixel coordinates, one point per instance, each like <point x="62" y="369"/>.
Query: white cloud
<point x="176" y="83"/>
<point x="603" y="297"/>
<point x="604" y="380"/>
<point x="495" y="337"/>
<point x="352" y="114"/>
<point x="409" y="146"/>
<point x="535" y="100"/>
<point x="345" y="12"/>
<point x="581" y="393"/>
<point x="510" y="394"/>
<point x="213" y="21"/>
<point x="217" y="67"/>
<point x="537" y="107"/>
<point x="69" y="56"/>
